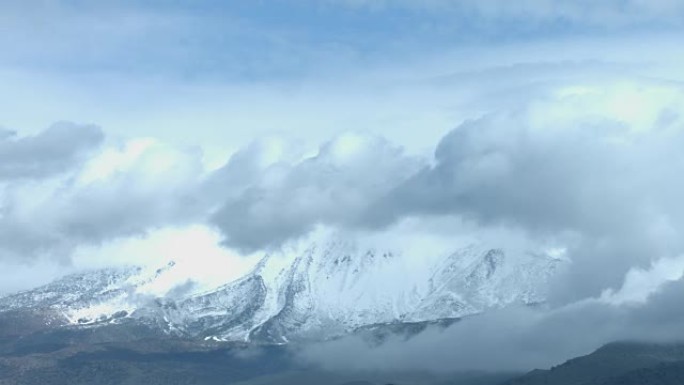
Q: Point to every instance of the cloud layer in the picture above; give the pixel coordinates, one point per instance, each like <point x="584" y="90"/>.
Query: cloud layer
<point x="591" y="168"/>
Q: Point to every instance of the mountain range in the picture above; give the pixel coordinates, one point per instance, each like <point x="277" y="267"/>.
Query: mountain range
<point x="134" y="325"/>
<point x="321" y="292"/>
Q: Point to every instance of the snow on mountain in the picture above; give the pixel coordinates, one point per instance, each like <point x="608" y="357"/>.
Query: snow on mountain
<point x="323" y="291"/>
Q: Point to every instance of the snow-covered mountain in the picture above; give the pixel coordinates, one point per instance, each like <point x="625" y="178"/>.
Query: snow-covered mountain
<point x="324" y="291"/>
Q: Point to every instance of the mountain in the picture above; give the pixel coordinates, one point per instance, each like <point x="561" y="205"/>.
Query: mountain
<point x="622" y="363"/>
<point x="146" y="325"/>
<point x="321" y="292"/>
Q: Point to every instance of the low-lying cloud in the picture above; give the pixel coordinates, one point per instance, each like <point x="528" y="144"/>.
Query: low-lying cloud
<point x="516" y="338"/>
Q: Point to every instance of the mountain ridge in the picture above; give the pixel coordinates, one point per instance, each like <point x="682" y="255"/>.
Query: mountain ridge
<point x="617" y="363"/>
<point x="322" y="292"/>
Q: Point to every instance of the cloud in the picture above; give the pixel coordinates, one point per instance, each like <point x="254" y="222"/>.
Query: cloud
<point x="516" y="339"/>
<point x="589" y="167"/>
<point x="266" y="206"/>
<point x="56" y="149"/>
<point x="593" y="168"/>
<point x="63" y="188"/>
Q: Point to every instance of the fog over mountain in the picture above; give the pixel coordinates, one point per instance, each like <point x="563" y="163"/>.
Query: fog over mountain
<point x="367" y="185"/>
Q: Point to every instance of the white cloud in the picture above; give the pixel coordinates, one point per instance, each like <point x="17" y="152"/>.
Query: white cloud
<point x="195" y="249"/>
<point x="640" y="284"/>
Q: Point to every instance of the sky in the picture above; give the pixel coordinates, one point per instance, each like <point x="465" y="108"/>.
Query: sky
<point x="212" y="132"/>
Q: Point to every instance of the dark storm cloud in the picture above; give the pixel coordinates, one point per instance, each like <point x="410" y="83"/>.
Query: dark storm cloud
<point x="53" y="150"/>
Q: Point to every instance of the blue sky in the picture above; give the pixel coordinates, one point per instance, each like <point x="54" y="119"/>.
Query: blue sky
<point x="259" y="40"/>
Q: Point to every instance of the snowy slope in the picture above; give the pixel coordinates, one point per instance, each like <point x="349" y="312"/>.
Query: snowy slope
<point x="323" y="291"/>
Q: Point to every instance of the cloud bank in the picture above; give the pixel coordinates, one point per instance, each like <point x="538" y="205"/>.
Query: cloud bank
<point x="593" y="168"/>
